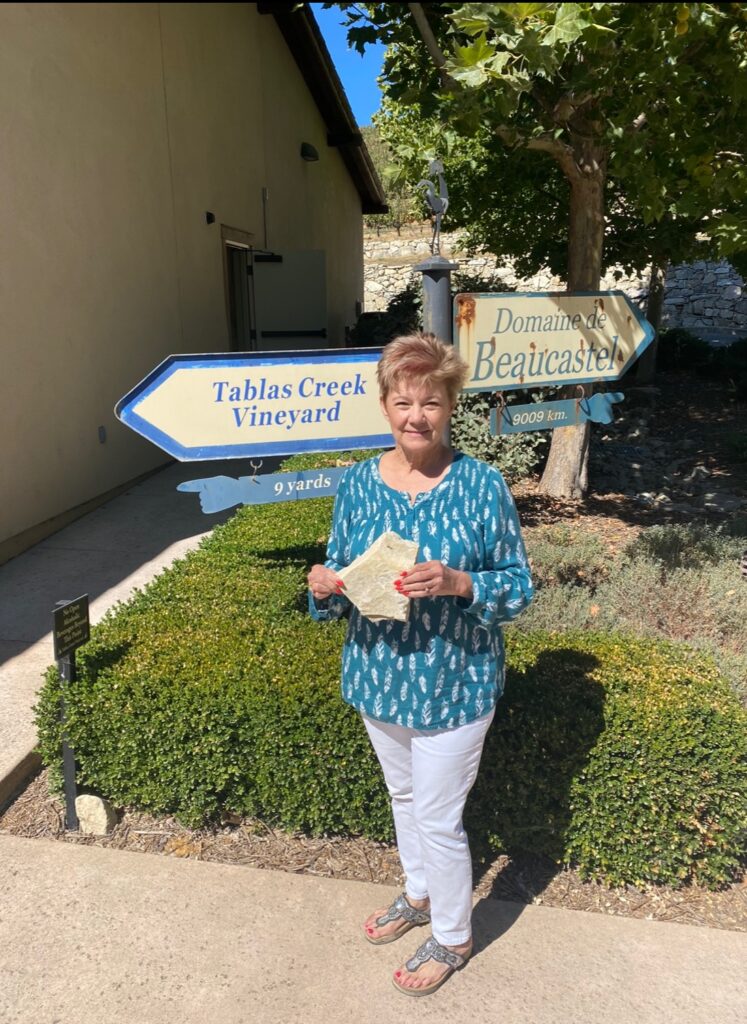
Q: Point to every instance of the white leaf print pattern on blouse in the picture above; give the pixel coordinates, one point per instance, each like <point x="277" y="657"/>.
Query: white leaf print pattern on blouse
<point x="440" y="680"/>
<point x="471" y="518"/>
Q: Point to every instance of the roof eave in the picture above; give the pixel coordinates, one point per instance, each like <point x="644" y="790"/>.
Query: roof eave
<point x="306" y="44"/>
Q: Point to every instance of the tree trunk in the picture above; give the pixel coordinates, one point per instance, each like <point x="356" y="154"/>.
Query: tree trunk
<point x="646" y="369"/>
<point x="567" y="472"/>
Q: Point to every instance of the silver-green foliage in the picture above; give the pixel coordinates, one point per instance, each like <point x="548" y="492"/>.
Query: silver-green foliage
<point x="562" y="554"/>
<point x="516" y="455"/>
<point x="678" y="582"/>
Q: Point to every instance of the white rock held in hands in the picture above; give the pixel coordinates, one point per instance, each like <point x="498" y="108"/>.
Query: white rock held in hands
<point x="369" y="580"/>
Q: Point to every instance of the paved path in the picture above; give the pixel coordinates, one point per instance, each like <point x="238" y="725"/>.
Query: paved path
<point x="102" y="936"/>
<point x="95" y="935"/>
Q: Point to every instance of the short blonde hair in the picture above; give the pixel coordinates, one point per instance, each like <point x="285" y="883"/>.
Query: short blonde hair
<point x="423" y="359"/>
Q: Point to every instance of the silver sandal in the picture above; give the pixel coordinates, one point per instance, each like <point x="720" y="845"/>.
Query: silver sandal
<point x="432" y="950"/>
<point x="399" y="910"/>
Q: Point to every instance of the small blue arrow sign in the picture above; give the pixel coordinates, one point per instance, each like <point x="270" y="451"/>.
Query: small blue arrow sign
<point x="515" y="419"/>
<point x="221" y="492"/>
<point x="235" y="406"/>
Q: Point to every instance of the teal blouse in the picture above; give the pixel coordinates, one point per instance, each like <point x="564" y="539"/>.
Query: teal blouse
<point x="444" y="666"/>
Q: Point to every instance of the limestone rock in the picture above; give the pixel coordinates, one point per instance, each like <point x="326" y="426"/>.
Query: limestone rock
<point x="96" y="816"/>
<point x="369" y="580"/>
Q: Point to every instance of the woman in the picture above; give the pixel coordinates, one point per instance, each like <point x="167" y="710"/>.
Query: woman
<point x="427" y="688"/>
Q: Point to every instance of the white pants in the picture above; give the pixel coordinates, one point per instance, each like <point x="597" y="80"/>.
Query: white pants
<point x="429" y="773"/>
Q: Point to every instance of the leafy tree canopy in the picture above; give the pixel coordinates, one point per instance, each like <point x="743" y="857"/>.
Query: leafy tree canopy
<point x="653" y="92"/>
<point x="513" y="205"/>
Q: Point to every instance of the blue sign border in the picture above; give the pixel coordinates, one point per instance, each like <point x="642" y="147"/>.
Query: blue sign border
<point x="648" y="337"/>
<point x="125" y="412"/>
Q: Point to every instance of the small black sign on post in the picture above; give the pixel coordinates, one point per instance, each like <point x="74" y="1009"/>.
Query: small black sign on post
<point x="71" y="630"/>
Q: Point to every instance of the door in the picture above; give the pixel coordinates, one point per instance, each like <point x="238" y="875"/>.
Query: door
<point x="277" y="301"/>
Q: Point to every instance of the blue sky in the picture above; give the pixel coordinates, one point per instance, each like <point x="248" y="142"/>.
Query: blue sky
<point x="358" y="74"/>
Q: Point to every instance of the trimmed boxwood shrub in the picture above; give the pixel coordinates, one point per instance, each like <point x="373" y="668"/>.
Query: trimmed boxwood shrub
<point x="212" y="690"/>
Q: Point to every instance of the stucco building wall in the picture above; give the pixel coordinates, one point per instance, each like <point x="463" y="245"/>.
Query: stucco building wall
<point x="123" y="125"/>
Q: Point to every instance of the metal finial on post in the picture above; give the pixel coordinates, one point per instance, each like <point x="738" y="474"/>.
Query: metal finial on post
<point x="438" y="203"/>
<point x="436" y="270"/>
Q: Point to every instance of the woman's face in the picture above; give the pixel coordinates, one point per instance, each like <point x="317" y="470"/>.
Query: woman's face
<point x="418" y="415"/>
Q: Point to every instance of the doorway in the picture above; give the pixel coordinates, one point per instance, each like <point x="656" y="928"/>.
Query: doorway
<point x="276" y="301"/>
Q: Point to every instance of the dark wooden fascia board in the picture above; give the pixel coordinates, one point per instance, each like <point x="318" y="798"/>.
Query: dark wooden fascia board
<point x="306" y="44"/>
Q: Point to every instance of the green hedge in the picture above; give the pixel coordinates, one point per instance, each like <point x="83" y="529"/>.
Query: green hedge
<point x="212" y="690"/>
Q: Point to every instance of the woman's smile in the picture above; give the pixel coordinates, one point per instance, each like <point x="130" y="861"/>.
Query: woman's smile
<point x="417" y="414"/>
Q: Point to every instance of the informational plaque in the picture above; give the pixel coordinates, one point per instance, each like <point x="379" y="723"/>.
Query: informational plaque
<point x="71" y="626"/>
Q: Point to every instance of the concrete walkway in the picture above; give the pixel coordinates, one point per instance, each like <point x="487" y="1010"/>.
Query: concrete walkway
<point x="103" y="936"/>
<point x="90" y="934"/>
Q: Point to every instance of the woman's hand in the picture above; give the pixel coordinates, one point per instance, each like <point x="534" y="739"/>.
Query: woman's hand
<point x="323" y="582"/>
<point x="434" y="579"/>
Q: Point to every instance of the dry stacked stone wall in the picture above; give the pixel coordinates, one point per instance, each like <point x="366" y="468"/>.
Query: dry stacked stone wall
<point x="708" y="299"/>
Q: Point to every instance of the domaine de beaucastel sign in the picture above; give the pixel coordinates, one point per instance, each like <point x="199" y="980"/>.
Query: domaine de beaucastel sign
<point x="527" y="340"/>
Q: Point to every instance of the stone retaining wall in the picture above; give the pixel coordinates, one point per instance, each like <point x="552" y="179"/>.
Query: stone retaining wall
<point x="707" y="298"/>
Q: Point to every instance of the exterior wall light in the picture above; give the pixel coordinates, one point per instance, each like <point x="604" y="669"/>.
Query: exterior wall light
<point x="309" y="152"/>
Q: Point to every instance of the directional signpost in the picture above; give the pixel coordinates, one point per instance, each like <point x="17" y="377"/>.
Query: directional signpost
<point x="515" y="419"/>
<point x="522" y="340"/>
<point x="199" y="407"/>
<point x="256" y="404"/>
<point x="220" y="492"/>
<point x="526" y="340"/>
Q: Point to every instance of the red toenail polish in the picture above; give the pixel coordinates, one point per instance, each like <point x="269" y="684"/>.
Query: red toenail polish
<point x="397" y="974"/>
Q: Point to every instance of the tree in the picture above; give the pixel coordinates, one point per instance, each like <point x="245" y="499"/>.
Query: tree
<point x="640" y="108"/>
<point x="400" y="198"/>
